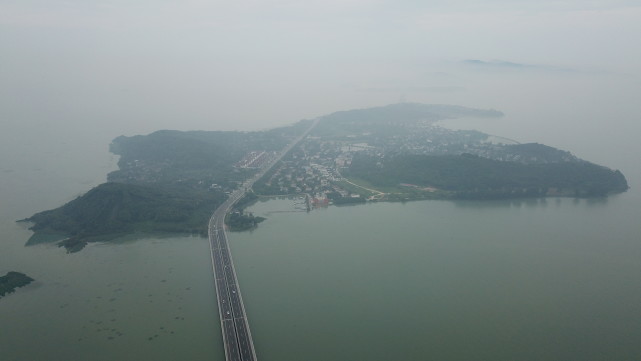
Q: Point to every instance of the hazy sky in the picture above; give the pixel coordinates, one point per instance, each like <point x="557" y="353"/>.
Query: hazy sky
<point x="136" y="66"/>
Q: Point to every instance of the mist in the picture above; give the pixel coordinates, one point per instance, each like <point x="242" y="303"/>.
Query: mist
<point x="74" y="75"/>
<point x="502" y="279"/>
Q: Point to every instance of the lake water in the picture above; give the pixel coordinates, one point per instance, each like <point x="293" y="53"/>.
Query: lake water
<point x="529" y="280"/>
<point x="146" y="299"/>
<point x="552" y="279"/>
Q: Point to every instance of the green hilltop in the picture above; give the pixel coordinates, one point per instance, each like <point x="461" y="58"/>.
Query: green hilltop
<point x="473" y="177"/>
<point x="112" y="209"/>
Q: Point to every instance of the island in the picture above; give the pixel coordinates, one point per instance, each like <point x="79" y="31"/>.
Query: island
<point x="239" y="221"/>
<point x="171" y="181"/>
<point x="13" y="280"/>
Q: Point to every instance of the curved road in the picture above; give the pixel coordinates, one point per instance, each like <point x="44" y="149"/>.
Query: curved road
<point x="237" y="339"/>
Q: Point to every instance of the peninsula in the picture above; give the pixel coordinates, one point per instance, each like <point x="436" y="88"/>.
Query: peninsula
<point x="171" y="181"/>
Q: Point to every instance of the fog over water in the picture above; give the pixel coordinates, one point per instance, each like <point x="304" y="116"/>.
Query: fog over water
<point x="86" y="72"/>
<point x="76" y="74"/>
<point x="114" y="67"/>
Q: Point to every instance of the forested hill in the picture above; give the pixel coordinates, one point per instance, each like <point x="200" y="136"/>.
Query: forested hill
<point x="170" y="157"/>
<point x="470" y="176"/>
<point x="167" y="181"/>
<point x="114" y="209"/>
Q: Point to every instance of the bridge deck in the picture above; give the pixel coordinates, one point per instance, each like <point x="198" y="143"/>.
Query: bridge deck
<point x="237" y="339"/>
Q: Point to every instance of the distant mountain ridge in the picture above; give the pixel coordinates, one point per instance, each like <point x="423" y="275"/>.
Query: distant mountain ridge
<point x="411" y="112"/>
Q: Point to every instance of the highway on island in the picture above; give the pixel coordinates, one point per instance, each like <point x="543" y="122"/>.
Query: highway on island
<point x="237" y="338"/>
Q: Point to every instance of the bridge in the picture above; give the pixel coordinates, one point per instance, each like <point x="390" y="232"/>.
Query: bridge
<point x="237" y="338"/>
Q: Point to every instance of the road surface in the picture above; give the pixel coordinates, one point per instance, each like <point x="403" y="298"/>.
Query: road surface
<point x="237" y="338"/>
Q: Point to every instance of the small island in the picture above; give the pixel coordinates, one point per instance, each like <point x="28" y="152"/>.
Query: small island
<point x="172" y="181"/>
<point x="239" y="221"/>
<point x="13" y="280"/>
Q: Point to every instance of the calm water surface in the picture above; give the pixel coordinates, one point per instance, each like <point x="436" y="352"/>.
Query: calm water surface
<point x="146" y="299"/>
<point x="138" y="300"/>
<point x="554" y="279"/>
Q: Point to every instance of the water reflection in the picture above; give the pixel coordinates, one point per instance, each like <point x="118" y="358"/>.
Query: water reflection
<point x="531" y="202"/>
